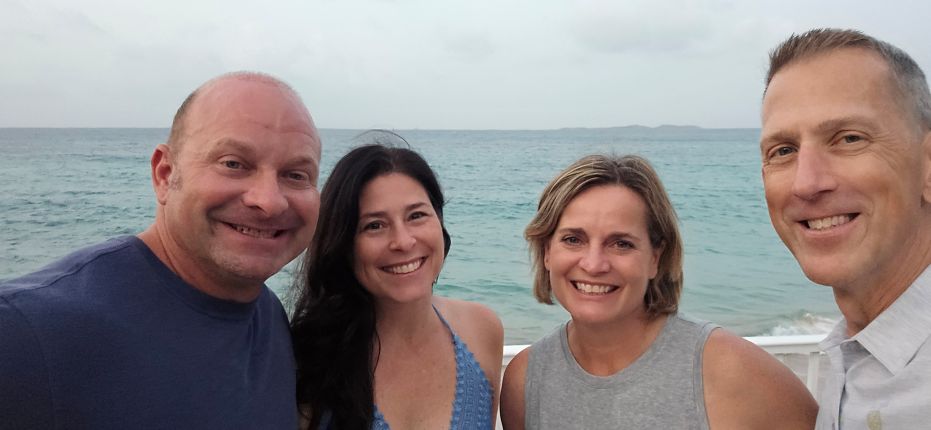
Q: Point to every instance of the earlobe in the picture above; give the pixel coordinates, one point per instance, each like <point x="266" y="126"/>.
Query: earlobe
<point x="161" y="172"/>
<point x="546" y="255"/>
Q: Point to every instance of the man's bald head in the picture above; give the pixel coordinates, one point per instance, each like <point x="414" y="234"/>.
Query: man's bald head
<point x="236" y="185"/>
<point x="178" y="125"/>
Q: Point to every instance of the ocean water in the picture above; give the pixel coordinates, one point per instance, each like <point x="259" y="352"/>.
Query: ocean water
<point x="61" y="189"/>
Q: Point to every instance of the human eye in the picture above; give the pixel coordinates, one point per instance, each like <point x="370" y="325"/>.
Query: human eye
<point x="622" y="244"/>
<point x="232" y="164"/>
<point x="571" y="240"/>
<point x="851" y="138"/>
<point x="372" y="226"/>
<point x="298" y="176"/>
<point x="418" y="215"/>
<point x="778" y="153"/>
<point x="781" y="151"/>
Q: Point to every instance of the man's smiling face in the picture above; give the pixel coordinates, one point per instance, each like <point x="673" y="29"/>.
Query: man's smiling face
<point x="842" y="167"/>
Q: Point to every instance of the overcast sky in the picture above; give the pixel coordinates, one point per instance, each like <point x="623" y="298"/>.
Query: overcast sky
<point x="478" y="64"/>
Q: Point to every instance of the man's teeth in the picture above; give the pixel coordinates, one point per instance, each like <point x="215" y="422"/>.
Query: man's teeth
<point x="593" y="288"/>
<point x="405" y="268"/>
<point x="828" y="222"/>
<point x="254" y="232"/>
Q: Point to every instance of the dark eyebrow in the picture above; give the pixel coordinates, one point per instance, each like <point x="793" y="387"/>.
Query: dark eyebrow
<point x="407" y="208"/>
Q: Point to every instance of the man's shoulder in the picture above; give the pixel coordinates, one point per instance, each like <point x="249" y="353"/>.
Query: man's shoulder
<point x="91" y="264"/>
<point x="44" y="314"/>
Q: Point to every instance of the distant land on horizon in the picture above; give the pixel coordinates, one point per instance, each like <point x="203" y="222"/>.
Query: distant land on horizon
<point x="639" y="127"/>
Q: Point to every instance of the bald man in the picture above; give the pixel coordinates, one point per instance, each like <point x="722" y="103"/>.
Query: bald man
<point x="174" y="327"/>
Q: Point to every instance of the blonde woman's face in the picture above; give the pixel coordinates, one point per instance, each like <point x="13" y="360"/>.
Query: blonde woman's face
<point x="600" y="259"/>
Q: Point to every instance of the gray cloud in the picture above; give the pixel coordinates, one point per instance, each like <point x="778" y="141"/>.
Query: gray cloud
<point x="643" y="26"/>
<point x="417" y="63"/>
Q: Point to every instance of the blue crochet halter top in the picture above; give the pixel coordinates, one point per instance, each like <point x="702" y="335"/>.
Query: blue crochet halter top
<point x="472" y="405"/>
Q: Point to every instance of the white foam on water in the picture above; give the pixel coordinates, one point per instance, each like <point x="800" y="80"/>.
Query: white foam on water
<point x="807" y="323"/>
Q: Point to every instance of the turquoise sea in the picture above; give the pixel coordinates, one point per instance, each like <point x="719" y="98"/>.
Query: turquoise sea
<point x="61" y="189"/>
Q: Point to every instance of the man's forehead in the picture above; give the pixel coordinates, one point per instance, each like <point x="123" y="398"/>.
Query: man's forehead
<point x="846" y="72"/>
<point x="849" y="61"/>
<point x="238" y="114"/>
<point x="261" y="101"/>
<point x="239" y="93"/>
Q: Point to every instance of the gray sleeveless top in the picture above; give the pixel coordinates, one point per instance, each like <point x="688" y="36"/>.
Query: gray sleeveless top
<point x="661" y="389"/>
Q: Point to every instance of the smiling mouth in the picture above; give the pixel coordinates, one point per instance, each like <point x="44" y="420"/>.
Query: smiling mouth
<point x="255" y="232"/>
<point x="822" y="224"/>
<point x="401" y="269"/>
<point x="594" y="289"/>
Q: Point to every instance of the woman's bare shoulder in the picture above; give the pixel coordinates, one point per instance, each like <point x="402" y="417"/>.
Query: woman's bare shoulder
<point x="470" y="319"/>
<point x="746" y="387"/>
<point x="512" y="391"/>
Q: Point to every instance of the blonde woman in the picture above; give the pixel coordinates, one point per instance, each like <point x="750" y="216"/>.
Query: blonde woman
<point x="605" y="243"/>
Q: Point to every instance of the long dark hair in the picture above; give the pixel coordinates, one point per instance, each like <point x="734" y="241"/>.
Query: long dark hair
<point x="333" y="325"/>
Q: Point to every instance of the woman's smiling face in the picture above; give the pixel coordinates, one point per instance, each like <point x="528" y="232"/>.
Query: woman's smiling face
<point x="600" y="259"/>
<point x="399" y="240"/>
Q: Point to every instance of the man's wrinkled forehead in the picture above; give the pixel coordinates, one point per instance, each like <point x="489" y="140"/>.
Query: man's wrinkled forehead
<point x="264" y="101"/>
<point x="236" y="94"/>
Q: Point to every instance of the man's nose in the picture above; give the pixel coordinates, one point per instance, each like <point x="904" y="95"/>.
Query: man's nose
<point x="265" y="194"/>
<point x="814" y="173"/>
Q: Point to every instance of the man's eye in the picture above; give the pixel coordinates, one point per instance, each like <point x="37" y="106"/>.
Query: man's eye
<point x="231" y="164"/>
<point x="298" y="176"/>
<point x="852" y="138"/>
<point x="782" y="151"/>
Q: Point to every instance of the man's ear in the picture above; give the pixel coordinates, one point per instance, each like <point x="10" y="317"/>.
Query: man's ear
<point x="162" y="169"/>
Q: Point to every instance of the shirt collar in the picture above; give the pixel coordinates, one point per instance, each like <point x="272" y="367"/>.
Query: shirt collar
<point x="837" y="335"/>
<point x="896" y="334"/>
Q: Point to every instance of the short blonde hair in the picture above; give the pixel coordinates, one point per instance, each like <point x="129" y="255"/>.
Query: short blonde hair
<point x="635" y="173"/>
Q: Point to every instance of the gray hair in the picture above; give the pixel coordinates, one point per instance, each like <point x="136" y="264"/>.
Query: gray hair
<point x="907" y="77"/>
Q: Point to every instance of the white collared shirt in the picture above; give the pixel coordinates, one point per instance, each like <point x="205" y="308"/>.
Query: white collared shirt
<point x="881" y="377"/>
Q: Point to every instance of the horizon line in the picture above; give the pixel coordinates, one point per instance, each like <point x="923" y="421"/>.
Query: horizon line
<point x="571" y="128"/>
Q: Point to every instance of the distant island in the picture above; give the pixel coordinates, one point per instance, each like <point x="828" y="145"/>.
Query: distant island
<point x="664" y="127"/>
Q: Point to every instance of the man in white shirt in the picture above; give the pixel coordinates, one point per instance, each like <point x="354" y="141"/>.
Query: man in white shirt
<point x="846" y="150"/>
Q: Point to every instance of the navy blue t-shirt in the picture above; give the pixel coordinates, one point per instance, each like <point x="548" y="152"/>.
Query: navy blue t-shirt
<point x="110" y="338"/>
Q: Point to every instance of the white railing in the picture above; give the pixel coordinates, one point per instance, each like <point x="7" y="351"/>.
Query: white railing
<point x="782" y="347"/>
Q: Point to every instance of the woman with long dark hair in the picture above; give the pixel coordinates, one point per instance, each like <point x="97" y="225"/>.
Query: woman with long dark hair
<point x="373" y="345"/>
